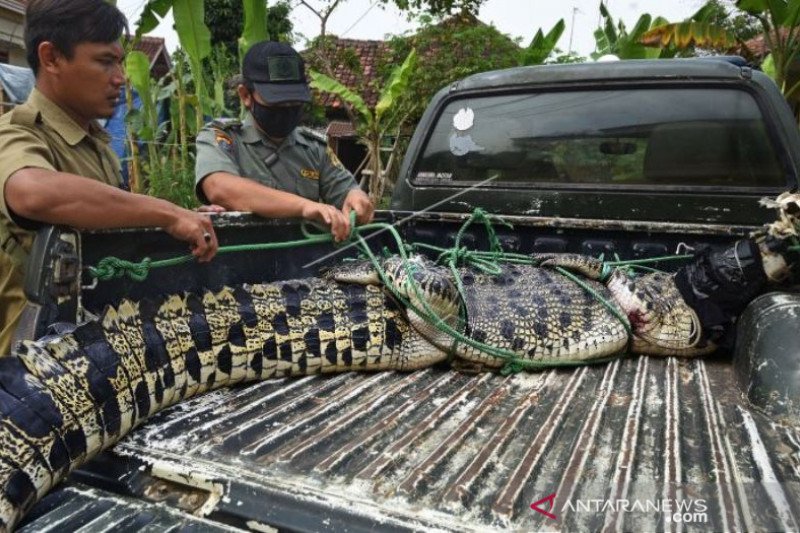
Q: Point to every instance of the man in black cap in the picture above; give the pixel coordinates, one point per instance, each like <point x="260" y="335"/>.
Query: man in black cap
<point x="266" y="164"/>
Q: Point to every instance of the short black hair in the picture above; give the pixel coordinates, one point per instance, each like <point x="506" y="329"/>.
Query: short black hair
<point x="67" y="23"/>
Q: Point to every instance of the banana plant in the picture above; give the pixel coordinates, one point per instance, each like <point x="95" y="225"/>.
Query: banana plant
<point x="697" y="30"/>
<point x="614" y="38"/>
<point x="254" y="29"/>
<point x="142" y="124"/>
<point x="193" y="35"/>
<point x="542" y="45"/>
<point x="780" y="21"/>
<point x="374" y="123"/>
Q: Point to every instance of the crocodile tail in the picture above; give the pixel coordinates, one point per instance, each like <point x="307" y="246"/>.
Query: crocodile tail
<point x="65" y="398"/>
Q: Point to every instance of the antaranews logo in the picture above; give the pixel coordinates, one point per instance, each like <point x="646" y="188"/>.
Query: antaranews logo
<point x="687" y="511"/>
<point x="550" y="500"/>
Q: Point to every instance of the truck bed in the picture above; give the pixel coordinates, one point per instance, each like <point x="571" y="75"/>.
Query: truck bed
<point x="443" y="450"/>
<point x="616" y="446"/>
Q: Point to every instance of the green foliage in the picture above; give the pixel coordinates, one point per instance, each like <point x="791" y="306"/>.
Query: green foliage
<point x="329" y="85"/>
<point x="222" y="66"/>
<point x="255" y="27"/>
<point x="449" y="51"/>
<point x="397" y="84"/>
<point x="542" y="46"/>
<point x="196" y="40"/>
<point x="374" y="124"/>
<point x="437" y="7"/>
<point x="137" y="65"/>
<point x="167" y="169"/>
<point x="559" y="57"/>
<point x="226" y="21"/>
<point x="153" y="12"/>
<point x="614" y="38"/>
<point x="780" y="24"/>
<point x="725" y="14"/>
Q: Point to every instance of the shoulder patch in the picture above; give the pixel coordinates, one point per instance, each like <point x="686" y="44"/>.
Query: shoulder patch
<point x="314" y="135"/>
<point x="225" y="123"/>
<point x="333" y="158"/>
<point x="223" y="141"/>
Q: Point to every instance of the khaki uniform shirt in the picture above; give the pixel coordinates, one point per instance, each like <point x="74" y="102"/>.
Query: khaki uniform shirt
<point x="39" y="134"/>
<point x="302" y="164"/>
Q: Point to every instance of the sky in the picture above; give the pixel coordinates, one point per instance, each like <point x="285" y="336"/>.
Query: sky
<point x="366" y="19"/>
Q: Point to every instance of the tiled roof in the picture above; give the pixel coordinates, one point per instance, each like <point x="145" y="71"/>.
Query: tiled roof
<point x="340" y="129"/>
<point x="369" y="53"/>
<point x="156" y="51"/>
<point x="757" y="46"/>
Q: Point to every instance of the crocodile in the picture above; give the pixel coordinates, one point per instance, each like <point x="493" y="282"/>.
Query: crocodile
<point x="68" y="396"/>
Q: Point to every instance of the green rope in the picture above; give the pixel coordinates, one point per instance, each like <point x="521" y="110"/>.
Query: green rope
<point x="113" y="267"/>
<point x="455" y="256"/>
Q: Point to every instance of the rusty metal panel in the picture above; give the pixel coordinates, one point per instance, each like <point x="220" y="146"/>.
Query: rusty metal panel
<point x="445" y="450"/>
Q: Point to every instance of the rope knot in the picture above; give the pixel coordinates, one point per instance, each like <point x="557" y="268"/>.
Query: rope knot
<point x="114" y="267"/>
<point x="513" y="366"/>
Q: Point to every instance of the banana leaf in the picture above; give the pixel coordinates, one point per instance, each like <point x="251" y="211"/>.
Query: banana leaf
<point x="327" y="84"/>
<point x="137" y="67"/>
<point x="195" y="39"/>
<point x="255" y="25"/>
<point x="397" y="84"/>
<point x="542" y="45"/>
<point x="688" y="33"/>
<point x="153" y="11"/>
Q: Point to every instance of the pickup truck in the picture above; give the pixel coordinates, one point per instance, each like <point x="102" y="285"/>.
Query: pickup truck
<point x="635" y="160"/>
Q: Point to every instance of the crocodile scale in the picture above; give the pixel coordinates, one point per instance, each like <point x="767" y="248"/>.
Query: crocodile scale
<point x="65" y="398"/>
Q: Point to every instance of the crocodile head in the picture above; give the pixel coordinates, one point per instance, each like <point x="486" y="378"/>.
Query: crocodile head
<point x="661" y="322"/>
<point x="420" y="280"/>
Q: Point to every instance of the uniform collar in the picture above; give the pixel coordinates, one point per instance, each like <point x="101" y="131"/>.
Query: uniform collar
<point x="64" y="125"/>
<point x="252" y="135"/>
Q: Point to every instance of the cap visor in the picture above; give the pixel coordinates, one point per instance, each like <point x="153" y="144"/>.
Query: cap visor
<point x="277" y="93"/>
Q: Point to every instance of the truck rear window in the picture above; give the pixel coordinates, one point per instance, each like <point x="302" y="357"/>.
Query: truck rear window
<point x="653" y="137"/>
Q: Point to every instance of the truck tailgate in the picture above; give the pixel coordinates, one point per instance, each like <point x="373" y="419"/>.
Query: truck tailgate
<point x="621" y="446"/>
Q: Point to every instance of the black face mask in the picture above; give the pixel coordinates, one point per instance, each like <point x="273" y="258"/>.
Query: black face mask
<point x="277" y="122"/>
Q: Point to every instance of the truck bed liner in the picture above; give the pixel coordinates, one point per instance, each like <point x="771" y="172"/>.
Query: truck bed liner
<point x="450" y="451"/>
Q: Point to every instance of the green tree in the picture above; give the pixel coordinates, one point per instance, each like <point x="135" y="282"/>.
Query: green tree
<point x="725" y="14"/>
<point x="225" y="20"/>
<point x="437" y="8"/>
<point x="323" y="9"/>
<point x="450" y="50"/>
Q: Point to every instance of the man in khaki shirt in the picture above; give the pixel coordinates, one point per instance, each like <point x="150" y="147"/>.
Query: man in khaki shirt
<point x="55" y="164"/>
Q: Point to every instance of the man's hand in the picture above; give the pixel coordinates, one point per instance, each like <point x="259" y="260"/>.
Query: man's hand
<point x="359" y="202"/>
<point x="330" y="216"/>
<point x="211" y="208"/>
<point x="197" y="230"/>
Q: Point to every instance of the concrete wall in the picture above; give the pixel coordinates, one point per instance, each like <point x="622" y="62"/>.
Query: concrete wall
<point x="16" y="56"/>
<point x="11" y="37"/>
